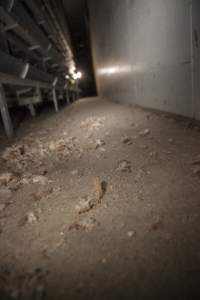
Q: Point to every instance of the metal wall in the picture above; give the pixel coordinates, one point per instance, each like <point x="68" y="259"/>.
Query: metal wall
<point x="196" y="57"/>
<point x="147" y="52"/>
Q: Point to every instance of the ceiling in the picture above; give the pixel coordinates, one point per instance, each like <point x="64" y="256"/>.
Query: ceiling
<point x="75" y="9"/>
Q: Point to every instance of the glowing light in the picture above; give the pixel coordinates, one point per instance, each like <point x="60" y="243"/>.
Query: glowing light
<point x="124" y="69"/>
<point x="115" y="70"/>
<point x="108" y="71"/>
<point x="77" y="75"/>
<point x="72" y="70"/>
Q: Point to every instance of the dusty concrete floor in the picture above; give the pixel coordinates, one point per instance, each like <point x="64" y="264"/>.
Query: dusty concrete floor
<point x="140" y="241"/>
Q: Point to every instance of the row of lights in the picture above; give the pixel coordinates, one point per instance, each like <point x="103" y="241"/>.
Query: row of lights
<point x="74" y="74"/>
<point x="77" y="75"/>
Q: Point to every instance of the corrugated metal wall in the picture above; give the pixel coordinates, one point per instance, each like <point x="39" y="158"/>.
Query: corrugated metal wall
<point x="147" y="52"/>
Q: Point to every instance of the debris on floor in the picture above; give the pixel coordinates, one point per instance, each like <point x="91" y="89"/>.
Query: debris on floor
<point x="40" y="179"/>
<point x="75" y="172"/>
<point x="141" y="173"/>
<point x="93" y="123"/>
<point x="131" y="234"/>
<point x="7" y="178"/>
<point x="31" y="217"/>
<point x="10" y="182"/>
<point x="89" y="202"/>
<point x="124" y="166"/>
<point x="85" y="204"/>
<point x="145" y="132"/>
<point x="78" y="172"/>
<point x="43" y="194"/>
<point x="100" y="188"/>
<point x="127" y="140"/>
<point x="86" y="224"/>
<point x="99" y="144"/>
<point x="32" y="152"/>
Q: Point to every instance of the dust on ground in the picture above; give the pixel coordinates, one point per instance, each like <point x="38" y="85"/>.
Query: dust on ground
<point x="101" y="201"/>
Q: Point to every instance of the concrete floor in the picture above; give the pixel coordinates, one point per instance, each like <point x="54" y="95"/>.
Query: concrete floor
<point x="140" y="238"/>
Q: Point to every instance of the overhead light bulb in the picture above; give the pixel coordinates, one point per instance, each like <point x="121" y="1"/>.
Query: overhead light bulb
<point x="74" y="76"/>
<point x="79" y="75"/>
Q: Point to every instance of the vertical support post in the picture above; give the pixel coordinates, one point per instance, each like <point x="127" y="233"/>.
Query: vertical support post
<point x="77" y="95"/>
<point x="55" y="99"/>
<point x="67" y="97"/>
<point x="39" y="94"/>
<point x="77" y="90"/>
<point x="74" y="96"/>
<point x="5" y="113"/>
<point x="32" y="109"/>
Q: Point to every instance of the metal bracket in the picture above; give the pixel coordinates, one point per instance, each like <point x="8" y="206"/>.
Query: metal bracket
<point x="9" y="27"/>
<point x="5" y="113"/>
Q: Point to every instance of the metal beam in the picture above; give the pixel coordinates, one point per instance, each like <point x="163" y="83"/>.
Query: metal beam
<point x="67" y="97"/>
<point x="5" y="113"/>
<point x="9" y="27"/>
<point x="29" y="31"/>
<point x="13" y="80"/>
<point x="22" y="46"/>
<point x="32" y="110"/>
<point x="18" y="30"/>
<point x="55" y="100"/>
